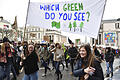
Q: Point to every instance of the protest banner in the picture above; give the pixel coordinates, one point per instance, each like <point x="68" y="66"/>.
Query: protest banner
<point x="79" y="16"/>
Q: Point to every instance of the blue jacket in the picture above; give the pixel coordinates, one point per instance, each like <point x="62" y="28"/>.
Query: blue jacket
<point x="79" y="71"/>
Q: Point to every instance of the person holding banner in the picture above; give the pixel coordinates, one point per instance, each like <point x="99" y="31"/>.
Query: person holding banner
<point x="30" y="63"/>
<point x="86" y="70"/>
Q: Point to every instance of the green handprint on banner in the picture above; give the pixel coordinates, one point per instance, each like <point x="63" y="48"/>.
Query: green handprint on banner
<point x="56" y="24"/>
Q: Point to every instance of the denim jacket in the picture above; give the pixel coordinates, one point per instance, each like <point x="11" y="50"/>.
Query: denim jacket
<point x="79" y="71"/>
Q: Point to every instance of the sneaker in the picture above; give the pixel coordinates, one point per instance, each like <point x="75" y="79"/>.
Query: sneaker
<point x="43" y="75"/>
<point x="53" y="68"/>
<point x="107" y="75"/>
<point x="20" y="71"/>
<point x="111" y="74"/>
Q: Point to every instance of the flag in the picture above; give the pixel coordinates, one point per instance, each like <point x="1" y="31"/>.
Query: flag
<point x="14" y="25"/>
<point x="70" y="42"/>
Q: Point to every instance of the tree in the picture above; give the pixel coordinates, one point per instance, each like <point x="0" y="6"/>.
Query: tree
<point x="74" y="25"/>
<point x="70" y="26"/>
<point x="81" y="26"/>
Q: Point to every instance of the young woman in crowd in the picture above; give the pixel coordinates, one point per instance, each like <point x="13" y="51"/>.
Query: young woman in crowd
<point x="30" y="64"/>
<point x="82" y="68"/>
<point x="58" y="53"/>
<point x="6" y="60"/>
<point x="45" y="55"/>
<point x="109" y="58"/>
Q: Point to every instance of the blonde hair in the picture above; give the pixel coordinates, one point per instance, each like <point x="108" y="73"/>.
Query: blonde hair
<point x="2" y="48"/>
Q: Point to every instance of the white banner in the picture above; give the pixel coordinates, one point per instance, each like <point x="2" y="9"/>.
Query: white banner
<point x="78" y="16"/>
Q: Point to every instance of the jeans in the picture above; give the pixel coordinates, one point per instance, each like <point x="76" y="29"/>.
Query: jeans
<point x="33" y="76"/>
<point x="72" y="64"/>
<point x="13" y="71"/>
<point x="1" y="73"/>
<point x="66" y="61"/>
<point x="5" y="72"/>
<point x="109" y="65"/>
<point x="57" y="65"/>
<point x="45" y="64"/>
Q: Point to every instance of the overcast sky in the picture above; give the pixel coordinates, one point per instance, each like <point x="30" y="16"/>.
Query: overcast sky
<point x="11" y="8"/>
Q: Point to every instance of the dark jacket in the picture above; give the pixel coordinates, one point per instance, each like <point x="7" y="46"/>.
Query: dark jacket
<point x="72" y="52"/>
<point x="79" y="71"/>
<point x="30" y="63"/>
<point x="109" y="57"/>
<point x="97" y="53"/>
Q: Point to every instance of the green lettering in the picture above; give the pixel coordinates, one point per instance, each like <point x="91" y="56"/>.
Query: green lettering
<point x="69" y="7"/>
<point x="80" y="6"/>
<point x="64" y="7"/>
<point x="76" y="7"/>
<point x="72" y="7"/>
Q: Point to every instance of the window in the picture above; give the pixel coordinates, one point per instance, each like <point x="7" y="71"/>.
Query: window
<point x="117" y="25"/>
<point x="27" y="36"/>
<point x="101" y="26"/>
<point x="112" y="44"/>
<point x="39" y="29"/>
<point x="35" y="29"/>
<point x="50" y="37"/>
<point x="107" y="44"/>
<point x="92" y="41"/>
<point x="38" y="35"/>
<point x="99" y="39"/>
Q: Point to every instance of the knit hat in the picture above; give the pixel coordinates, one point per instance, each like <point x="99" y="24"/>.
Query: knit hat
<point x="5" y="39"/>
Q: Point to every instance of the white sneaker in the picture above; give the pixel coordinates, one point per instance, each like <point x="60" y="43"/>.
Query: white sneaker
<point x="66" y="69"/>
<point x="43" y="75"/>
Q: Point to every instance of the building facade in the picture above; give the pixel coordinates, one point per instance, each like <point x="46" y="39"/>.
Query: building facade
<point x="34" y="34"/>
<point x="37" y="35"/>
<point x="55" y="36"/>
<point x="6" y="29"/>
<point x="109" y="33"/>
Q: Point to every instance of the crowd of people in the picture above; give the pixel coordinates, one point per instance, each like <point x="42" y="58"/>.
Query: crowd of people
<point x="84" y="60"/>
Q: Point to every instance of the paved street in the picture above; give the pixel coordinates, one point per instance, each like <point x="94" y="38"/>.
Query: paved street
<point x="67" y="76"/>
<point x="115" y="65"/>
<point x="116" y="75"/>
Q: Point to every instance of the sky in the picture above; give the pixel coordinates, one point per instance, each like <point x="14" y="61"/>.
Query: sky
<point x="11" y="8"/>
